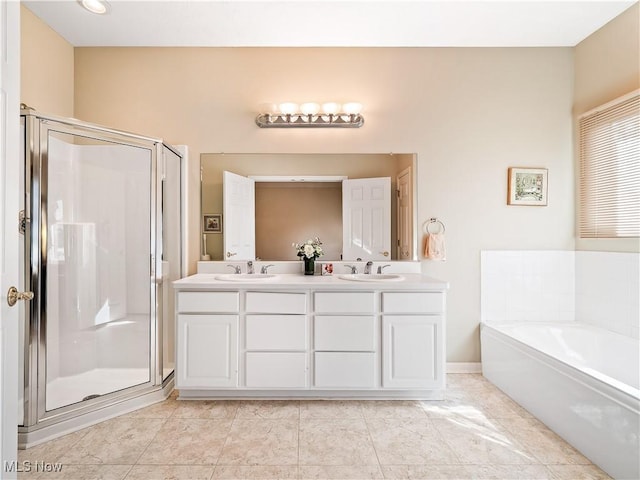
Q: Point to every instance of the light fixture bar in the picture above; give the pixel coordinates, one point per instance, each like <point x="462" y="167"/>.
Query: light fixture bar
<point x="300" y="120"/>
<point x="312" y="115"/>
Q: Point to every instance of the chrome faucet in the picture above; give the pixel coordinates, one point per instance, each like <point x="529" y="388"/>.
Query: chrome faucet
<point x="381" y="267"/>
<point x="353" y="268"/>
<point x="367" y="267"/>
<point x="250" y="267"/>
<point x="264" y="268"/>
<point x="236" y="268"/>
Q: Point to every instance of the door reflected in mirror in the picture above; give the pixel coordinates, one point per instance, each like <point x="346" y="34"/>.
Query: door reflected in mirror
<point x="295" y="197"/>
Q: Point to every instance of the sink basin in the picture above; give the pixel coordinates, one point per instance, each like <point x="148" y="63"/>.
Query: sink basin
<point x="379" y="277"/>
<point x="246" y="277"/>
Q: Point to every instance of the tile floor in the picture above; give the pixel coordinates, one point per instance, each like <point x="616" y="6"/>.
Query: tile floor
<point x="476" y="433"/>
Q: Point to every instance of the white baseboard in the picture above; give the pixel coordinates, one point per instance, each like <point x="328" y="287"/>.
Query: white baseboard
<point x="464" y="367"/>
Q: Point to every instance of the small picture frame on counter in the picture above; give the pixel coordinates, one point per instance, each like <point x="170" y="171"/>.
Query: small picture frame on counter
<point x="326" y="269"/>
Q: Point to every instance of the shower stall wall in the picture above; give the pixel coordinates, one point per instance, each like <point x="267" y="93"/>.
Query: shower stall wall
<point x="102" y="246"/>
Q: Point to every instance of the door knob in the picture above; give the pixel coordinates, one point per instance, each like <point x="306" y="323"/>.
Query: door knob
<point x="229" y="254"/>
<point x="13" y="295"/>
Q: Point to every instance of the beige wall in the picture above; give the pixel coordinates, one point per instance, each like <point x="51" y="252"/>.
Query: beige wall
<point x="46" y="69"/>
<point x="607" y="66"/>
<point x="287" y="214"/>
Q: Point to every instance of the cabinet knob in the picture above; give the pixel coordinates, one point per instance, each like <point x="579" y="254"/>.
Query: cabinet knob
<point x="231" y="254"/>
<point x="385" y="253"/>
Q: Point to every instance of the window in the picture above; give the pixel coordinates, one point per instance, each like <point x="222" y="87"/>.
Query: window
<point x="610" y="169"/>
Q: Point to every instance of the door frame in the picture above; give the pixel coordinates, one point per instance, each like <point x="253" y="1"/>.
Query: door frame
<point x="10" y="237"/>
<point x="407" y="172"/>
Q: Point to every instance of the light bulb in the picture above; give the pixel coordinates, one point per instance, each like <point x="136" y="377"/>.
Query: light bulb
<point x="268" y="108"/>
<point x="288" y="108"/>
<point x="331" y="108"/>
<point x="309" y="108"/>
<point x="352" y="108"/>
<point x="95" y="6"/>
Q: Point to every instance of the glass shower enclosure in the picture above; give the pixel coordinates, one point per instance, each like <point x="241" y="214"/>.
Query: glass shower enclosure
<point x="102" y="244"/>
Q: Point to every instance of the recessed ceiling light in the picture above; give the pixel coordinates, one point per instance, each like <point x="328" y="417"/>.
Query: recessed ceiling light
<point x="95" y="6"/>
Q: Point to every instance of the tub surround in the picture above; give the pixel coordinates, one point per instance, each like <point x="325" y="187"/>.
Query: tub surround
<point x="608" y="291"/>
<point x="296" y="336"/>
<point x="598" y="288"/>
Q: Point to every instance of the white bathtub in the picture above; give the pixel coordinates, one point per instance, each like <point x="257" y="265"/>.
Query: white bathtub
<point x="582" y="382"/>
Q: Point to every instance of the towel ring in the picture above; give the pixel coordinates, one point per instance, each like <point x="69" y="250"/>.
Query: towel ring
<point x="434" y="221"/>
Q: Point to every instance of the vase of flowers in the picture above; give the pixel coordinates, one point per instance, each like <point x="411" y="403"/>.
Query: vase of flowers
<point x="309" y="251"/>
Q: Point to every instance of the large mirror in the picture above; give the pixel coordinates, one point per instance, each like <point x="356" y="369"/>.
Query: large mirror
<point x="302" y="196"/>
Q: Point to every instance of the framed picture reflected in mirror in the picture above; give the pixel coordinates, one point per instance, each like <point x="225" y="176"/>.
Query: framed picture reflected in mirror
<point x="212" y="223"/>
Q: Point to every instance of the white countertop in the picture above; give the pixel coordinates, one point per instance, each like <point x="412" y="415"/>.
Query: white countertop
<point x="209" y="281"/>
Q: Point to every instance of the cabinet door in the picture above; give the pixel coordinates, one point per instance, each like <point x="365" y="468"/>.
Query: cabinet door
<point x="208" y="351"/>
<point x="412" y="351"/>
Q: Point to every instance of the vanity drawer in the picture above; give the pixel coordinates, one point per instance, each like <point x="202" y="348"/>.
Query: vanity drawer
<point x="276" y="332"/>
<point x="345" y="333"/>
<point x="413" y="302"/>
<point x="267" y="302"/>
<point x="345" y="370"/>
<point x="344" y="302"/>
<point x="276" y="370"/>
<point x="208" y="302"/>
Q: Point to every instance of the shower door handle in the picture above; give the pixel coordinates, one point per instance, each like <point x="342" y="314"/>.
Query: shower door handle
<point x="13" y="295"/>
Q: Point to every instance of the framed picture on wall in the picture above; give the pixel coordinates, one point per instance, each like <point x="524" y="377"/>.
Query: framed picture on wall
<point x="527" y="186"/>
<point x="212" y="223"/>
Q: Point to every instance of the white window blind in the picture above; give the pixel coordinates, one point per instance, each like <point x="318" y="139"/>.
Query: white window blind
<point x="610" y="169"/>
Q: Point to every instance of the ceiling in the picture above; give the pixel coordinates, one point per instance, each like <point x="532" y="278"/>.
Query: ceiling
<point x="326" y="23"/>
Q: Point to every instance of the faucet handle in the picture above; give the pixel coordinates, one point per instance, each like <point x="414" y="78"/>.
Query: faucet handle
<point x="353" y="268"/>
<point x="236" y="268"/>
<point x="264" y="268"/>
<point x="381" y="267"/>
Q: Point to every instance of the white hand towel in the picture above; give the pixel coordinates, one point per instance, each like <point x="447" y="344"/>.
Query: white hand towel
<point x="435" y="248"/>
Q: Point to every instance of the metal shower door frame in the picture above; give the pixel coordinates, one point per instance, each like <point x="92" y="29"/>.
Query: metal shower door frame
<point x="37" y="129"/>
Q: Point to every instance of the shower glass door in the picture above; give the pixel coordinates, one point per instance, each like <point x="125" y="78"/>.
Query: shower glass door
<point x="97" y="260"/>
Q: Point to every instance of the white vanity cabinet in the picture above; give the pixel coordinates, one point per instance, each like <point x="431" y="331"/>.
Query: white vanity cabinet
<point x="345" y="340"/>
<point x="412" y="339"/>
<point x="310" y="338"/>
<point x="207" y="339"/>
<point x="275" y="340"/>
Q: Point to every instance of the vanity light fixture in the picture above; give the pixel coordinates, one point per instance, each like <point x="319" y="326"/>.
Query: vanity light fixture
<point x="99" y="7"/>
<point x="310" y="115"/>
